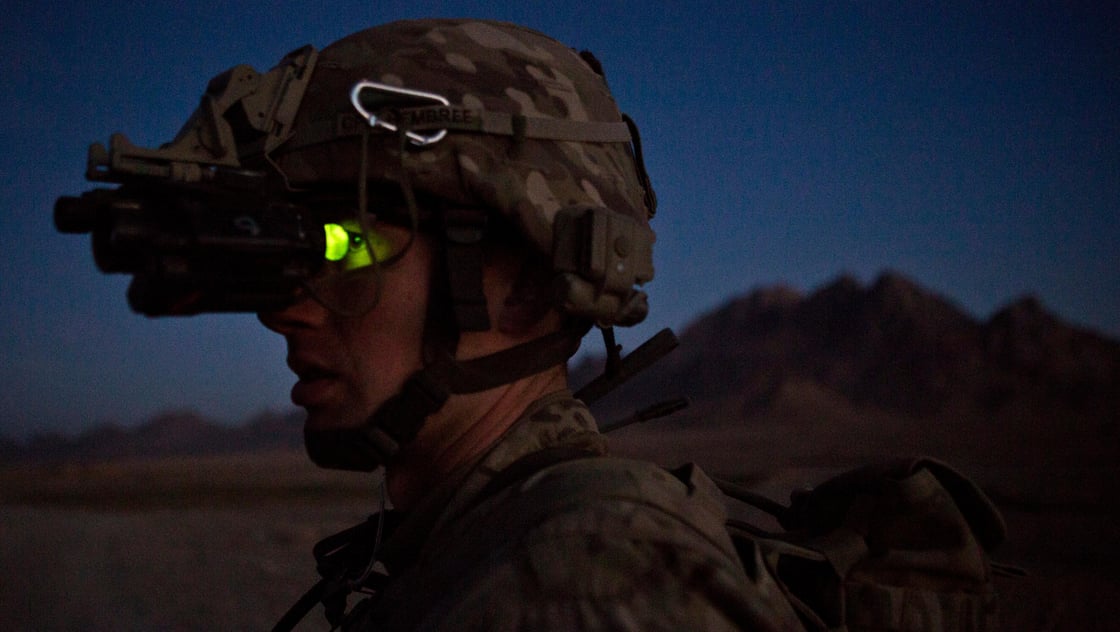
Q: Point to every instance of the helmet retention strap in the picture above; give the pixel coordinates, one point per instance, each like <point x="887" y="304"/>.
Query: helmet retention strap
<point x="399" y="420"/>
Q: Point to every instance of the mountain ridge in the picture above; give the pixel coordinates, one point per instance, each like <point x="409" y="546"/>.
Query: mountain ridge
<point x="892" y="344"/>
<point x="907" y="367"/>
<point x="892" y="349"/>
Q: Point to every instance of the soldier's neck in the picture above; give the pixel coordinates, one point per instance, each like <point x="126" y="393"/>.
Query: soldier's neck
<point x="461" y="433"/>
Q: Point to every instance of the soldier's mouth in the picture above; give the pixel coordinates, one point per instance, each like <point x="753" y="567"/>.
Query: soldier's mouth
<point x="315" y="383"/>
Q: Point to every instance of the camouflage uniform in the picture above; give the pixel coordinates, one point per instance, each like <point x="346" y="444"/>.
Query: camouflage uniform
<point x="583" y="544"/>
<point x="519" y="128"/>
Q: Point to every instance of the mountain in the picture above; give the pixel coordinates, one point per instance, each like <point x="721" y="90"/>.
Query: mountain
<point x="168" y="434"/>
<point x="847" y="369"/>
<point x="910" y="367"/>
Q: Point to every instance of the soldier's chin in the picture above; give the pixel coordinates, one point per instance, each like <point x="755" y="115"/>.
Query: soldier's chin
<point x="331" y="417"/>
<point x="320" y="418"/>
<point x="343" y="448"/>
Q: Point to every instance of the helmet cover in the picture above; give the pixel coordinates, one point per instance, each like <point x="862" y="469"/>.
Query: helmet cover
<point x="477" y="66"/>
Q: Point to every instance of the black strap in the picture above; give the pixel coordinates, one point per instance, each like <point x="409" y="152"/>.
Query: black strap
<point x="341" y="559"/>
<point x="463" y="232"/>
<point x="344" y="555"/>
<point x="424" y="393"/>
<point x="508" y="365"/>
<point x="650" y="198"/>
<point x="301" y="607"/>
<point x="525" y="467"/>
<point x="619" y="370"/>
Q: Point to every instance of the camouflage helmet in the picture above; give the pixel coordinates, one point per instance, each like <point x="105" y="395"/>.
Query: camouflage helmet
<point x="532" y="133"/>
<point x="489" y="118"/>
<point x="480" y="118"/>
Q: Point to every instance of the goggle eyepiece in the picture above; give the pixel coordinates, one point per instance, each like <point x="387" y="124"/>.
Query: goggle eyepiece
<point x="352" y="247"/>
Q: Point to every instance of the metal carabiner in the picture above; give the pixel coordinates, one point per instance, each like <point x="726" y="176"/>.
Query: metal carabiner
<point x="420" y="140"/>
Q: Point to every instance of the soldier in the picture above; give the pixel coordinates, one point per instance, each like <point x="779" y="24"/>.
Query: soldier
<point x="433" y="214"/>
<point x="507" y="211"/>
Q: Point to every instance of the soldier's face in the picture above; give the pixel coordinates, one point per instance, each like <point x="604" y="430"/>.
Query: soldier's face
<point x="347" y="366"/>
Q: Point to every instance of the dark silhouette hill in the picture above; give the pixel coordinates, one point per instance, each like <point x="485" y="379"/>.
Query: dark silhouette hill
<point x="894" y="356"/>
<point x="176" y="433"/>
<point x="903" y="368"/>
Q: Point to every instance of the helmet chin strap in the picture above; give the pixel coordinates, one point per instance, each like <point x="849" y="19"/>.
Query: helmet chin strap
<point x="399" y="419"/>
<point x="456" y="303"/>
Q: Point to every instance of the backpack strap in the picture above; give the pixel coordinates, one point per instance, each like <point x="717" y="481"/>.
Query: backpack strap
<point x="573" y="480"/>
<point x="528" y="465"/>
<point x="344" y="555"/>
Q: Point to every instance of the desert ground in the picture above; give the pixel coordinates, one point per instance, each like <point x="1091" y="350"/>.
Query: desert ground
<point x="224" y="542"/>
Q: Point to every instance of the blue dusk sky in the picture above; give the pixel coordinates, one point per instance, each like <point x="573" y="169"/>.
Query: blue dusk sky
<point x="973" y="147"/>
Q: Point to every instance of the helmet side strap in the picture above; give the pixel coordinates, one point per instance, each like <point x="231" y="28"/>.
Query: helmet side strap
<point x="463" y="234"/>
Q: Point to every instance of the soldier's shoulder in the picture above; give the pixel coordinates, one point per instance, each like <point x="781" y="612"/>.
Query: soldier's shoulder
<point x="589" y="506"/>
<point x="593" y="543"/>
<point x="592" y="484"/>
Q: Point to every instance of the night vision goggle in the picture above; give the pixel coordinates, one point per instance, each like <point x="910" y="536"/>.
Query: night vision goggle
<point x="196" y="248"/>
<point x="201" y="233"/>
<point x="352" y="247"/>
<point x="208" y="222"/>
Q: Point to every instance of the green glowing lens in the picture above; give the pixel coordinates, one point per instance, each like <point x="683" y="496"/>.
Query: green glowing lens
<point x="346" y="244"/>
<point x="338" y="242"/>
